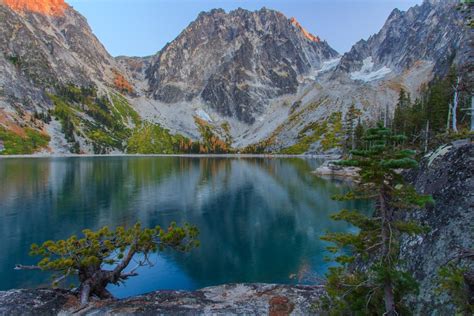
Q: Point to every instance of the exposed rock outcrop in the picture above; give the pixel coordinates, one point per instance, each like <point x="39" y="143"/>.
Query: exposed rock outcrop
<point x="47" y="7"/>
<point x="46" y="45"/>
<point x="236" y="62"/>
<point x="411" y="49"/>
<point x="448" y="175"/>
<point x="39" y="50"/>
<point x="260" y="74"/>
<point x="330" y="169"/>
<point x="432" y="31"/>
<point x="236" y="299"/>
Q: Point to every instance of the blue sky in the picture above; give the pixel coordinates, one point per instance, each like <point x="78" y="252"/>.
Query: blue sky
<point x="143" y="27"/>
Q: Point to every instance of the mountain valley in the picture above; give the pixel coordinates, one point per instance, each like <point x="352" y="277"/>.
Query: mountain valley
<point x="241" y="81"/>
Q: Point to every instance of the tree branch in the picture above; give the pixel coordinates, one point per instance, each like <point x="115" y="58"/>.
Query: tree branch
<point x="125" y="262"/>
<point x="127" y="275"/>
<point x="22" y="267"/>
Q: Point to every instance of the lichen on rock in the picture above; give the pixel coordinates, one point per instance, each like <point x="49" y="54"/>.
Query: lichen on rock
<point x="234" y="299"/>
<point x="450" y="180"/>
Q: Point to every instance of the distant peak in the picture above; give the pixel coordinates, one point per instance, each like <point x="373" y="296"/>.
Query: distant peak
<point x="307" y="34"/>
<point x="46" y="7"/>
<point x="213" y="12"/>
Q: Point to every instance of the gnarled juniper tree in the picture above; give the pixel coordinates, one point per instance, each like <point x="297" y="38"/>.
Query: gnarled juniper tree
<point x="100" y="258"/>
<point x="369" y="280"/>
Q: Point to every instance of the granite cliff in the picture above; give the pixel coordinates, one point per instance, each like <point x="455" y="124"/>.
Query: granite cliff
<point x="45" y="47"/>
<point x="236" y="62"/>
<point x="258" y="81"/>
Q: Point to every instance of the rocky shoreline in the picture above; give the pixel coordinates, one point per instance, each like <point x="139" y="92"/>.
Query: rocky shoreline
<point x="240" y="299"/>
<point x="330" y="169"/>
<point x="304" y="156"/>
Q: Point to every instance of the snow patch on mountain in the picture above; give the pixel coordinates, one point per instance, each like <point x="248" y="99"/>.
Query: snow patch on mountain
<point x="326" y="66"/>
<point x="367" y="72"/>
<point x="203" y="115"/>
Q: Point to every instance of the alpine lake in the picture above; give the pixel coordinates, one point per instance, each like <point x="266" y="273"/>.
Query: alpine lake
<point x="260" y="219"/>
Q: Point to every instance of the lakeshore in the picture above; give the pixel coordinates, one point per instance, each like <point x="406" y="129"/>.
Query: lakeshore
<point x="304" y="156"/>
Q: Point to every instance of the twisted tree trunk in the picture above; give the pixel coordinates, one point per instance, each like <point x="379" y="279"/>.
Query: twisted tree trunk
<point x="386" y="215"/>
<point x="94" y="280"/>
<point x="96" y="284"/>
<point x="455" y="104"/>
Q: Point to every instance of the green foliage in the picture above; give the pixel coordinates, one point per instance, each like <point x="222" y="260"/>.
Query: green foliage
<point x="307" y="136"/>
<point x="29" y="143"/>
<point x="112" y="117"/>
<point x="350" y="128"/>
<point x="66" y="116"/>
<point x="258" y="148"/>
<point x="465" y="7"/>
<point x="228" y="137"/>
<point x="153" y="139"/>
<point x="360" y="293"/>
<point x="333" y="137"/>
<point x="116" y="125"/>
<point x="451" y="281"/>
<point x="15" y="60"/>
<point x="401" y="112"/>
<point x="377" y="278"/>
<point x="211" y="142"/>
<point x="99" y="257"/>
<point x="42" y="116"/>
<point x="108" y="247"/>
<point x="328" y="132"/>
<point x="427" y="121"/>
<point x="125" y="111"/>
<point x="358" y="135"/>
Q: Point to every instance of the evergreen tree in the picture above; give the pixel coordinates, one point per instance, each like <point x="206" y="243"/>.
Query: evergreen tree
<point x="416" y="121"/>
<point x="359" y="134"/>
<point x="433" y="114"/>
<point x="349" y="128"/>
<point x="76" y="148"/>
<point x="438" y="102"/>
<point x="378" y="285"/>
<point x="100" y="258"/>
<point x="400" y="116"/>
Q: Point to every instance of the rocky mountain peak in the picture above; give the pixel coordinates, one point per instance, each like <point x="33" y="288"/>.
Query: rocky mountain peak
<point x="46" y="7"/>
<point x="429" y="34"/>
<point x="307" y="34"/>
<point x="236" y="62"/>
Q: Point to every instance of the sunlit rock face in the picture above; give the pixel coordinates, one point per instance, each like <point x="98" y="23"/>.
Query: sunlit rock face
<point x="236" y="62"/>
<point x="307" y="34"/>
<point x="430" y="32"/>
<point x="45" y="44"/>
<point x="51" y="44"/>
<point x="260" y="73"/>
<point x="411" y="49"/>
<point x="46" y="7"/>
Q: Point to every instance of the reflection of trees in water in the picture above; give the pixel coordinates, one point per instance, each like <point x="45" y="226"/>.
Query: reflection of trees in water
<point x="259" y="218"/>
<point x="43" y="199"/>
<point x="263" y="226"/>
<point x="22" y="177"/>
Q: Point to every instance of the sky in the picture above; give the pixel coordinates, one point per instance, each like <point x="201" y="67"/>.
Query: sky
<point x="143" y="27"/>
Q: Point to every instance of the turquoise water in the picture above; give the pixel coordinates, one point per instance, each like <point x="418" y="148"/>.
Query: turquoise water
<point x="260" y="219"/>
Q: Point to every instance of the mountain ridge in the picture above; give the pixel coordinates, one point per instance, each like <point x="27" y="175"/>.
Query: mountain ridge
<point x="46" y="7"/>
<point x="223" y="58"/>
<point x="255" y="78"/>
